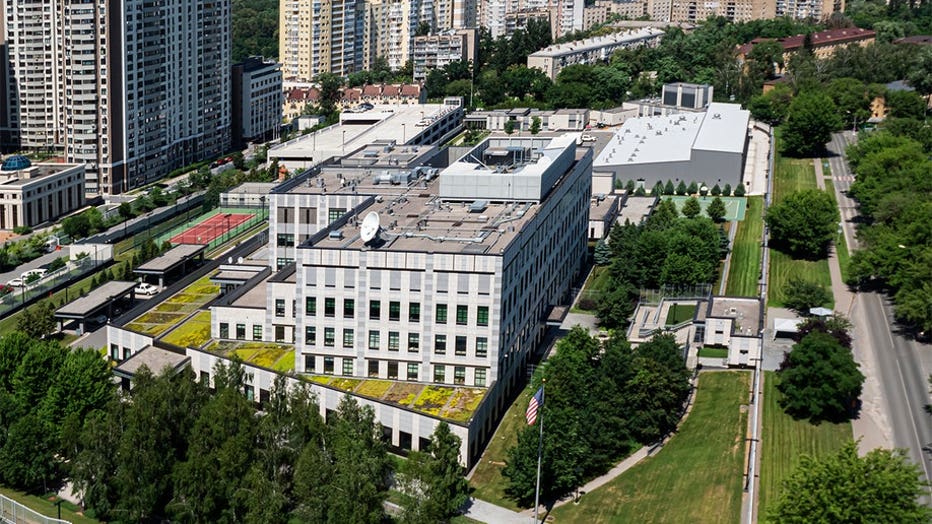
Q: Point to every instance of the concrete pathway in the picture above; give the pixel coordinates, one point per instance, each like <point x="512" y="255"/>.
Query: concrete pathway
<point x="732" y="231"/>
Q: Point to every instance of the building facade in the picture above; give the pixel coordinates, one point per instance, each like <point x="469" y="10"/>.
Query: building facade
<point x="33" y="194"/>
<point x="132" y="89"/>
<point x="822" y="43"/>
<point x="257" y="101"/>
<point x="436" y="51"/>
<point x="551" y="60"/>
<point x="321" y="36"/>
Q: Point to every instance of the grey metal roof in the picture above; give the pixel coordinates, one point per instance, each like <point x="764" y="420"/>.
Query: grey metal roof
<point x="171" y="258"/>
<point x="95" y="300"/>
<point x="156" y="359"/>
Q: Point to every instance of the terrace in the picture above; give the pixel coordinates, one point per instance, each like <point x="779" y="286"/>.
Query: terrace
<point x="176" y="310"/>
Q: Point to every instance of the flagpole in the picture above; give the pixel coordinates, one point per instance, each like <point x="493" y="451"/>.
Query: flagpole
<point x="540" y="452"/>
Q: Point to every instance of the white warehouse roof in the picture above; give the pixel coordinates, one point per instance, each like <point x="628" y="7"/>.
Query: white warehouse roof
<point x="724" y="128"/>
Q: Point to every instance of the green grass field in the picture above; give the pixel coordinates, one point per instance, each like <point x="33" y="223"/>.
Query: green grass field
<point x="487" y="480"/>
<point x="744" y="270"/>
<point x="784" y="440"/>
<point x="792" y="174"/>
<point x="697" y="477"/>
<point x="680" y="313"/>
<point x="713" y="352"/>
<point x="841" y="245"/>
<point x="46" y="507"/>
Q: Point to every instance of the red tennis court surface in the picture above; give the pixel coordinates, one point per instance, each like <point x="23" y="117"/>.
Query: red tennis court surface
<point x="210" y="229"/>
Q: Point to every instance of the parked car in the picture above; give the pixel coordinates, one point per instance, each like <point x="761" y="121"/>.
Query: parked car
<point x="587" y="137"/>
<point x="146" y="289"/>
<point x="38" y="272"/>
<point x="16" y="282"/>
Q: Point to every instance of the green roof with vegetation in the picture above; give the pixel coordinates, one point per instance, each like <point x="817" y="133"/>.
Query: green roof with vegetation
<point x="269" y="355"/>
<point x="173" y="311"/>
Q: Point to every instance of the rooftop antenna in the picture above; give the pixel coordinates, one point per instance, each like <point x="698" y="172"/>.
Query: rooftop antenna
<point x="370" y="227"/>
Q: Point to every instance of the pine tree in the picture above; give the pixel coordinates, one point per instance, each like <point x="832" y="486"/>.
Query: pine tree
<point x="681" y="188"/>
<point x="716" y="191"/>
<point x="657" y="190"/>
<point x="716" y="210"/>
<point x="691" y="208"/>
<point x="668" y="188"/>
<point x="693" y="188"/>
<point x="727" y="190"/>
<point x="602" y="255"/>
<point x="739" y="190"/>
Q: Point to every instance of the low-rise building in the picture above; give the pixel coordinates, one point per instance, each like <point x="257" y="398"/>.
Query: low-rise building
<point x="34" y="194"/>
<point x="822" y="43"/>
<point x="437" y="51"/>
<point x="679" y="97"/>
<point x="522" y="119"/>
<point x="551" y="60"/>
<point x="257" y="100"/>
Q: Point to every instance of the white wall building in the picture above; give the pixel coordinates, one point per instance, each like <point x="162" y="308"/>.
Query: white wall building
<point x="257" y="100"/>
<point x="551" y="60"/>
<point x="34" y="194"/>
<point x="438" y="50"/>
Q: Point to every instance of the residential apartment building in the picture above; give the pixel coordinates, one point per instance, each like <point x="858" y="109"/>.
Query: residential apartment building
<point x="694" y="11"/>
<point x="321" y="36"/>
<point x="822" y="43"/>
<point x="815" y="9"/>
<point x="502" y="17"/>
<point x="436" y="51"/>
<point x="34" y="194"/>
<point x="257" y="100"/>
<point x="390" y="27"/>
<point x="629" y="9"/>
<point x="519" y="19"/>
<point x="551" y="60"/>
<point x="454" y="14"/>
<point x="132" y="89"/>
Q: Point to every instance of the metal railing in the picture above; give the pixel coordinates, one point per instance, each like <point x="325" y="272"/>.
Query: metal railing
<point x="46" y="286"/>
<point x="13" y="512"/>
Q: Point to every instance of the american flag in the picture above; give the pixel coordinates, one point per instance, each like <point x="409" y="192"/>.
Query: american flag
<point x="536" y="402"/>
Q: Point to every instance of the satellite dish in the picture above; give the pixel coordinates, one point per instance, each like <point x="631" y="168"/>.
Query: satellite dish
<point x="370" y="227"/>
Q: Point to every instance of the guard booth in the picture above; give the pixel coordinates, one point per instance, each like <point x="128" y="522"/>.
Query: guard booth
<point x="99" y="302"/>
<point x="180" y="259"/>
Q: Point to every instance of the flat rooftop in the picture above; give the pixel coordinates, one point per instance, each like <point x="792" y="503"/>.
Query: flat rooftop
<point x="171" y="258"/>
<point x="254" y="298"/>
<point x="96" y="299"/>
<point x="155" y="359"/>
<point x="636" y="209"/>
<point x="598" y="42"/>
<point x="35" y="173"/>
<point x="745" y="311"/>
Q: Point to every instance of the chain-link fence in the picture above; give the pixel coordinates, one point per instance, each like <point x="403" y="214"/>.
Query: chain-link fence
<point x="13" y="512"/>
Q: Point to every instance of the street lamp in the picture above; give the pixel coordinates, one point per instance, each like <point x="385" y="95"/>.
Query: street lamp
<point x="403" y="135"/>
<point x="344" y="141"/>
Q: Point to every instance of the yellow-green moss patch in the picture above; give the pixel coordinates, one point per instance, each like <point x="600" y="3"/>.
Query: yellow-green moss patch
<point x="194" y="333"/>
<point x="374" y="388"/>
<point x="463" y="404"/>
<point x="432" y="399"/>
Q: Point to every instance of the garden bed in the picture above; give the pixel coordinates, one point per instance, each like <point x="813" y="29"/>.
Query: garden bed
<point x="194" y="333"/>
<point x="168" y="314"/>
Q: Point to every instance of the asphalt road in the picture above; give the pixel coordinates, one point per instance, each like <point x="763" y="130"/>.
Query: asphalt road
<point x="42" y="262"/>
<point x="842" y="177"/>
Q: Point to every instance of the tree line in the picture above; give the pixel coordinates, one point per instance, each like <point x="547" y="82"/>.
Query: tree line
<point x="601" y="401"/>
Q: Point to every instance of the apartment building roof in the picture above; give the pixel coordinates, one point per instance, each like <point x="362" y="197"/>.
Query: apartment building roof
<point x="10" y="178"/>
<point x="597" y="42"/>
<point x="820" y="38"/>
<point x="915" y="39"/>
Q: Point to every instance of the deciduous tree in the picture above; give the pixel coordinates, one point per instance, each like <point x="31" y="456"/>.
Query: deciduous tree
<point x="811" y="118"/>
<point x="804" y="223"/>
<point x="820" y="379"/>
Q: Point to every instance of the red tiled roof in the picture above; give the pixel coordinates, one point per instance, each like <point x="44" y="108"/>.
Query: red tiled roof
<point x="299" y="94"/>
<point x="391" y="90"/>
<point x="410" y="90"/>
<point x="371" y="90"/>
<point x="352" y="93"/>
<point x="915" y="39"/>
<point x="820" y="38"/>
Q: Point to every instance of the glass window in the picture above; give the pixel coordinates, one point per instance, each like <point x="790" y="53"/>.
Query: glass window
<point x="285" y="240"/>
<point x="412" y="371"/>
<point x="334" y="214"/>
<point x="460" y="346"/>
<point x="279" y="333"/>
<point x="279" y="307"/>
<point x="115" y="351"/>
<point x="309" y="362"/>
<point x="329" y="336"/>
<point x="310" y="335"/>
<point x="224" y="330"/>
<point x="374" y="339"/>
<point x="394" y="310"/>
<point x="250" y="393"/>
<point x="348" y="338"/>
<point x="482" y="347"/>
<point x="440" y="344"/>
<point x="393" y="339"/>
<point x="480" y="377"/>
<point x="414" y="312"/>
<point x="482" y="316"/>
<point x="462" y="315"/>
<point x="414" y="342"/>
<point x="375" y="309"/>
<point x="393" y="370"/>
<point x="330" y="307"/>
<point x="440" y="373"/>
<point x="328" y="365"/>
<point x="310" y="306"/>
<point x="459" y="375"/>
<point x="441" y="313"/>
<point x="256" y="332"/>
<point x="241" y="332"/>
<point x="349" y="308"/>
<point x="373" y="368"/>
<point x="347" y="366"/>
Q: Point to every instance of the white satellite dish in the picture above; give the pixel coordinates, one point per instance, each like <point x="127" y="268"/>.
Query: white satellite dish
<point x="370" y="227"/>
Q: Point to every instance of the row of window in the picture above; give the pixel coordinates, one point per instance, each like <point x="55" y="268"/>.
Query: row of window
<point x="394" y="341"/>
<point x="240" y="331"/>
<point x="412" y="370"/>
<point x="394" y="311"/>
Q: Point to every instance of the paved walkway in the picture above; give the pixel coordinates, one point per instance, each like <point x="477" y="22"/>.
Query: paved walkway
<point x="732" y="231"/>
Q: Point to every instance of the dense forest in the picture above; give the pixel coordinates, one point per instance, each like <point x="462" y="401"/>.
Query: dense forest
<point x="255" y="29"/>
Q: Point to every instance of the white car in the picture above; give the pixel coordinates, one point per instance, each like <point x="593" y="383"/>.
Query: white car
<point x="587" y="138"/>
<point x="146" y="289"/>
<point x="16" y="282"/>
<point x="40" y="272"/>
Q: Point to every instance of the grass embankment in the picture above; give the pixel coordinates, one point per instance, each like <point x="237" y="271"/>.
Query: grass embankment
<point x="791" y="175"/>
<point x="784" y="440"/>
<point x="598" y="282"/>
<point x="841" y="245"/>
<point x="487" y="479"/>
<point x="47" y="507"/>
<point x="697" y="477"/>
<point x="744" y="271"/>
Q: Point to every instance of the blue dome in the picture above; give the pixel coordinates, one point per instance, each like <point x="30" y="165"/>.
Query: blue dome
<point x="15" y="163"/>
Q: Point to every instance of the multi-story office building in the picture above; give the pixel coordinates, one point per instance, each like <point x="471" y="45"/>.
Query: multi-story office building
<point x="551" y="60"/>
<point x="33" y="194"/>
<point x="132" y="89"/>
<point x="436" y="51"/>
<point x="321" y="36"/>
<point x="257" y="100"/>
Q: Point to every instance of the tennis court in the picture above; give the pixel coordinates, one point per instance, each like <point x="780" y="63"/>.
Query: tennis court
<point x="735" y="207"/>
<point x="213" y="227"/>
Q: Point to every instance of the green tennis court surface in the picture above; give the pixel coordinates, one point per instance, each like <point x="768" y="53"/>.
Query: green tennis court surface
<point x="734" y="206"/>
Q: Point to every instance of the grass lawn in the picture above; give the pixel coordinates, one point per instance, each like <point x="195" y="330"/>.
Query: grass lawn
<point x="841" y="245"/>
<point x="791" y="174"/>
<point x="697" y="477"/>
<point x="744" y="270"/>
<point x="46" y="507"/>
<point x="713" y="352"/>
<point x="487" y="479"/>
<point x="784" y="267"/>
<point x="680" y="313"/>
<point x="599" y="281"/>
<point x="169" y="313"/>
<point x="784" y="440"/>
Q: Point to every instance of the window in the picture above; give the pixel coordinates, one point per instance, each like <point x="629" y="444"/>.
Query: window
<point x="412" y="371"/>
<point x="441" y="313"/>
<point x="310" y="335"/>
<point x="310" y="306"/>
<point x="375" y="310"/>
<point x="482" y="316"/>
<point x="308" y="215"/>
<point x="462" y="315"/>
<point x="480" y="378"/>
<point x="414" y="342"/>
<point x="459" y="375"/>
<point x="224" y="330"/>
<point x="309" y="362"/>
<point x="348" y="338"/>
<point x="482" y="347"/>
<point x="347" y="367"/>
<point x="285" y="215"/>
<point x="373" y="368"/>
<point x="241" y="332"/>
<point x="440" y="374"/>
<point x="393" y="371"/>
<point x="279" y="307"/>
<point x="374" y="340"/>
<point x="460" y="346"/>
<point x="334" y="214"/>
<point x="328" y="365"/>
<point x="279" y="333"/>
<point x="440" y="344"/>
<point x="256" y="332"/>
<point x="393" y="340"/>
<point x="414" y="312"/>
<point x="330" y="307"/>
<point x="329" y="336"/>
<point x="394" y="310"/>
<point x="282" y="262"/>
<point x="250" y="393"/>
<point x="114" y="352"/>
<point x="285" y="240"/>
<point x="349" y="308"/>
